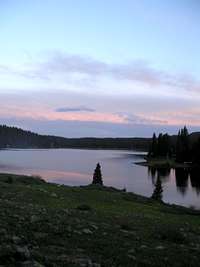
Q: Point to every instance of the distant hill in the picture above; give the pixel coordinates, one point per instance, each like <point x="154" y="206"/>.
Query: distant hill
<point x="12" y="137"/>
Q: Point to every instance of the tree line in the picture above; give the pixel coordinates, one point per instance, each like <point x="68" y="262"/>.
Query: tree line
<point x="12" y="137"/>
<point x="182" y="148"/>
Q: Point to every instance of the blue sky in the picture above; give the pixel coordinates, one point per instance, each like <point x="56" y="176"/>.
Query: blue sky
<point x="130" y="65"/>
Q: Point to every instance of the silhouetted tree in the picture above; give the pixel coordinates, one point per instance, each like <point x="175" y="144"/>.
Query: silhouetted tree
<point x="194" y="178"/>
<point x="179" y="148"/>
<point x="196" y="152"/>
<point x="182" y="176"/>
<point x="153" y="147"/>
<point x="97" y="176"/>
<point x="161" y="146"/>
<point x="166" y="146"/>
<point x="157" y="193"/>
<point x="183" y="146"/>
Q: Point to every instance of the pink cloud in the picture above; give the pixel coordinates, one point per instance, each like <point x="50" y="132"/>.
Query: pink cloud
<point x="189" y="117"/>
<point x="47" y="114"/>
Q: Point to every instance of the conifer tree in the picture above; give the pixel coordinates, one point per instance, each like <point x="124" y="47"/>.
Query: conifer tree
<point x="196" y="152"/>
<point x="186" y="146"/>
<point x="166" y="146"/>
<point x="182" y="146"/>
<point x="97" y="176"/>
<point x="154" y="146"/>
<point x="178" y="148"/>
<point x="160" y="144"/>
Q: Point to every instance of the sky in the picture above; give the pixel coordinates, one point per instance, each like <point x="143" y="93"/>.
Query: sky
<point x="100" y="68"/>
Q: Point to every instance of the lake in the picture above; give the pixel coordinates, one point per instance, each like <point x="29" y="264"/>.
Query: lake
<point x="76" y="166"/>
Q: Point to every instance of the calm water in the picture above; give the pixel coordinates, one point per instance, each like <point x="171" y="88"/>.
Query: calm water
<point x="75" y="167"/>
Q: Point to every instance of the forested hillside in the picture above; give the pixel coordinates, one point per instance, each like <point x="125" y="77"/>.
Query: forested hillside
<point x="12" y="137"/>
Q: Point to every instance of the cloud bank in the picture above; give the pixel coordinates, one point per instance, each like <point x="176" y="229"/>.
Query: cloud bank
<point x="75" y="109"/>
<point x="83" y="70"/>
<point x="137" y="71"/>
<point x="83" y="91"/>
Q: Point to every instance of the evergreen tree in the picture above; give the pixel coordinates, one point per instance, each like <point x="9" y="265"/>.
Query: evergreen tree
<point x="178" y="148"/>
<point x="166" y="146"/>
<point x="161" y="146"/>
<point x="97" y="176"/>
<point x="186" y="146"/>
<point x="183" y="146"/>
<point x="196" y="152"/>
<point x="157" y="193"/>
<point x="153" y="150"/>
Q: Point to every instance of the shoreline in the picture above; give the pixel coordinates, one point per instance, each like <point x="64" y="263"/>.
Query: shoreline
<point x="34" y="179"/>
<point x="45" y="224"/>
<point x="12" y="179"/>
<point x="164" y="165"/>
<point x="75" y="148"/>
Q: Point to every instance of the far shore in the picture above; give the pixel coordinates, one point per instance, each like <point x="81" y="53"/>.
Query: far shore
<point x="77" y="148"/>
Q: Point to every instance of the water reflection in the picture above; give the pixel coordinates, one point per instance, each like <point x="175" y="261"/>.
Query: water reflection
<point x="75" y="167"/>
<point x="159" y="173"/>
<point x="195" y="179"/>
<point x="184" y="178"/>
<point x="158" y="190"/>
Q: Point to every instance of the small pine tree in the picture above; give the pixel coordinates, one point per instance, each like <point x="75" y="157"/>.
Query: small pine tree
<point x="97" y="176"/>
<point x="153" y="147"/>
<point x="157" y="193"/>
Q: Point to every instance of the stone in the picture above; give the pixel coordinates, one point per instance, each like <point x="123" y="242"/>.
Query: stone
<point x="87" y="231"/>
<point x="16" y="239"/>
<point x="94" y="226"/>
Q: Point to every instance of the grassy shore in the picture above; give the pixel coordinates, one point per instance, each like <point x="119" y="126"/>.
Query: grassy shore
<point x="43" y="224"/>
<point x="162" y="163"/>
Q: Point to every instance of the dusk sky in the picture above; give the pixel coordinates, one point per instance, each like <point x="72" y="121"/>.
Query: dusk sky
<point x="100" y="67"/>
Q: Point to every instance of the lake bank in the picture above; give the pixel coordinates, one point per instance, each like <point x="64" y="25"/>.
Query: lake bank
<point x="75" y="167"/>
<point x="45" y="224"/>
<point x="163" y="163"/>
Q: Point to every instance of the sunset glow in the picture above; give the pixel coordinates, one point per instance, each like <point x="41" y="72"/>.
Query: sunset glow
<point x="101" y="76"/>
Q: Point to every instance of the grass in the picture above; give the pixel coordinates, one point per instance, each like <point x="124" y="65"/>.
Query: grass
<point x="43" y="224"/>
<point x="163" y="163"/>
